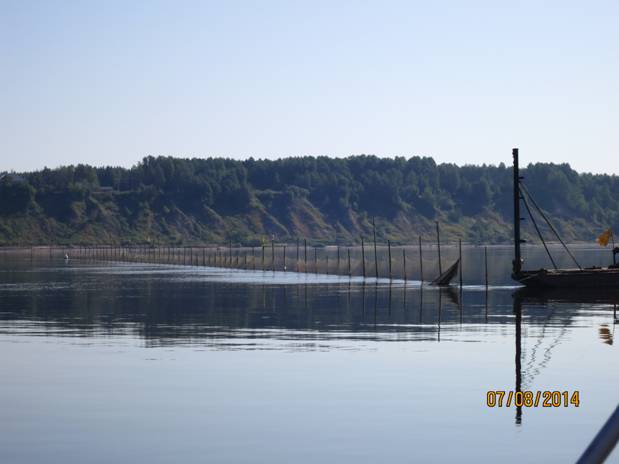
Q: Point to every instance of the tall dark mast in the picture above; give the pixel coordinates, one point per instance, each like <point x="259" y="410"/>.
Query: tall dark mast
<point x="517" y="263"/>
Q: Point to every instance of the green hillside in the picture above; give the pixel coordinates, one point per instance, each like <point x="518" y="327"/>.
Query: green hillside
<point x="326" y="200"/>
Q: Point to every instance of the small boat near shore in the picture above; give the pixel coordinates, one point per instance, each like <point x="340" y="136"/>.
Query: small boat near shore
<point x="574" y="278"/>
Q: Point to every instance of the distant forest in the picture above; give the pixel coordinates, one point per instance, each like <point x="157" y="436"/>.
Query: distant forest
<point x="165" y="200"/>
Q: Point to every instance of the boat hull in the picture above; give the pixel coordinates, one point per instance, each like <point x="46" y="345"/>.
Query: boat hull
<point x="606" y="278"/>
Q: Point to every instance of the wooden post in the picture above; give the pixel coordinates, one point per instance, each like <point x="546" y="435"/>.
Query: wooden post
<point x="460" y="258"/>
<point x="404" y="263"/>
<point x="284" y="258"/>
<point x="315" y="260"/>
<point x="349" y="270"/>
<point x="297" y="265"/>
<point x="375" y="254"/>
<point x="327" y="262"/>
<point x="363" y="257"/>
<point x="273" y="255"/>
<point x="486" y="264"/>
<point x="203" y="256"/>
<point x="253" y="258"/>
<point x="262" y="262"/>
<point x="389" y="249"/>
<point x="338" y="260"/>
<point x="304" y="255"/>
<point x="438" y="245"/>
<point x="420" y="262"/>
<point x="230" y="253"/>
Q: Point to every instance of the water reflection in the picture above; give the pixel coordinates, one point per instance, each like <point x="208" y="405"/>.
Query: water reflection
<point x="164" y="307"/>
<point x="254" y="361"/>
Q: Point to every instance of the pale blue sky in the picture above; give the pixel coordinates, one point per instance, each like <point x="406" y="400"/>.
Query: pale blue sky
<point x="110" y="82"/>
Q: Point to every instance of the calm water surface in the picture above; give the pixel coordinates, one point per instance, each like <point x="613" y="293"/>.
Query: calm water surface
<point x="109" y="362"/>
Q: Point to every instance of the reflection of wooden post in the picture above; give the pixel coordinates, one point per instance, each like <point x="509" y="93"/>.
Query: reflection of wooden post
<point x="404" y="263"/>
<point x="363" y="257"/>
<point x="438" y="246"/>
<point x="420" y="262"/>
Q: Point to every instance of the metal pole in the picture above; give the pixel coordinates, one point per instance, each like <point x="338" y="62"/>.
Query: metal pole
<point x="517" y="264"/>
<point x="604" y="442"/>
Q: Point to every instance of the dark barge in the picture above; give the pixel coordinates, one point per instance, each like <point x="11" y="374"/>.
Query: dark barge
<point x="576" y="278"/>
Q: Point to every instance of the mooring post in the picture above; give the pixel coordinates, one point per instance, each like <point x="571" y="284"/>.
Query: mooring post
<point x="262" y="261"/>
<point x="273" y="255"/>
<point x="375" y="254"/>
<point x="284" y="257"/>
<point x="297" y="254"/>
<point x="327" y="253"/>
<point x="460" y="261"/>
<point x="420" y="262"/>
<point x="438" y="247"/>
<point x="253" y="258"/>
<point x="363" y="257"/>
<point x="404" y="264"/>
<point x="230" y="253"/>
<point x="389" y="250"/>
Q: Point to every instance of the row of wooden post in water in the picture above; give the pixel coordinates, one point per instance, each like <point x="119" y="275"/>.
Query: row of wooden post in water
<point x="299" y="257"/>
